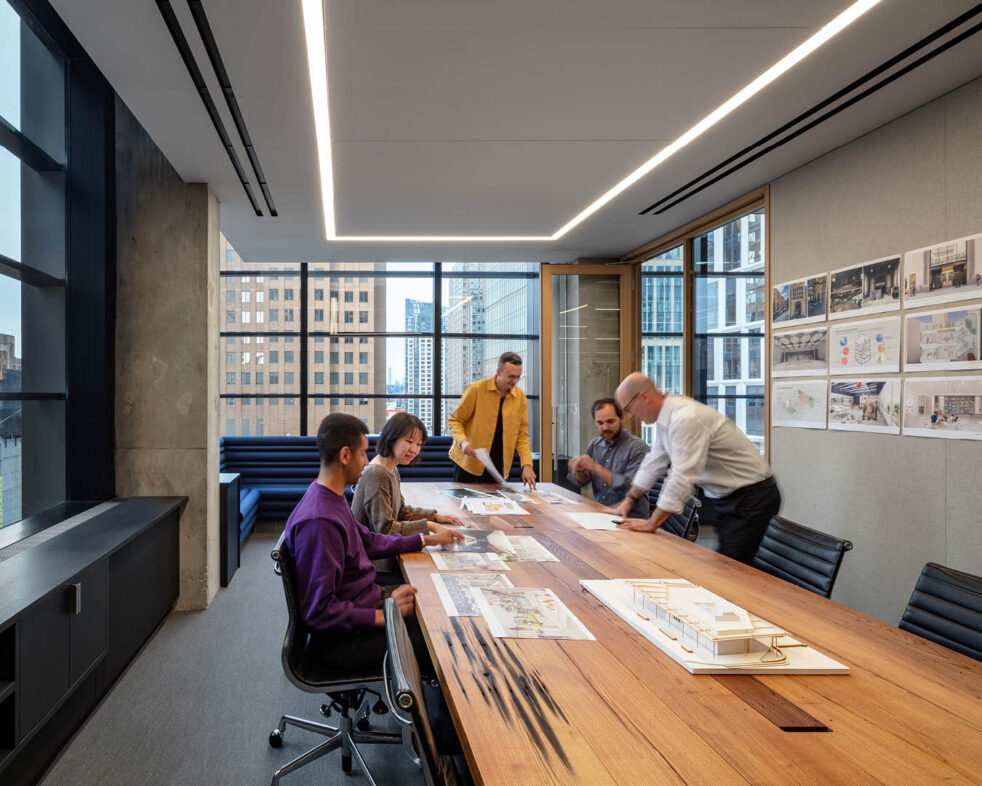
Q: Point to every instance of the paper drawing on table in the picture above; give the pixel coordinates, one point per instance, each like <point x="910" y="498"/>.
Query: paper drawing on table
<point x="486" y="541"/>
<point x="528" y="549"/>
<point x="705" y="633"/>
<point x="460" y="493"/>
<point x="528" y="613"/>
<point x="512" y="495"/>
<point x="457" y="594"/>
<point x="492" y="506"/>
<point x="463" y="560"/>
<point x="485" y="458"/>
<point x="594" y="520"/>
<point x="550" y="497"/>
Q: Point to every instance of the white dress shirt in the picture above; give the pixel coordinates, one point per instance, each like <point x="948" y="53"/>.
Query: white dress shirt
<point x="702" y="446"/>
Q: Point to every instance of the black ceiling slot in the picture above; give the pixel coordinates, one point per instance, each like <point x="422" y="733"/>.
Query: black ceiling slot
<point x="211" y="47"/>
<point x="706" y="179"/>
<point x="174" y="27"/>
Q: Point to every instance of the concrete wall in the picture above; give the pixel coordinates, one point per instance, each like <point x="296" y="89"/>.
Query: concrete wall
<point x="903" y="501"/>
<point x="167" y="347"/>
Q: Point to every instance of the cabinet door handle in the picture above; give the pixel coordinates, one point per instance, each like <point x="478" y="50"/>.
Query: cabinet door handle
<point x="74" y="598"/>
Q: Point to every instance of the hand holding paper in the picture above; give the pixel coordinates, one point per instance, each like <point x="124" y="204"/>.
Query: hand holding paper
<point x="482" y="454"/>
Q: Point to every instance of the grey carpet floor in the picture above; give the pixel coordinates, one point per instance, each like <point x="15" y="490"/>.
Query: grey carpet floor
<point x="197" y="704"/>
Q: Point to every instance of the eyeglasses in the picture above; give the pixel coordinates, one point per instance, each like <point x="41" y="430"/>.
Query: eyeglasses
<point x="627" y="406"/>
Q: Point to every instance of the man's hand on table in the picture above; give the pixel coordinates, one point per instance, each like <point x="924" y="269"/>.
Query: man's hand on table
<point x="621" y="509"/>
<point x="440" y="535"/>
<point x="528" y="476"/>
<point x="658" y="517"/>
<point x="405" y="597"/>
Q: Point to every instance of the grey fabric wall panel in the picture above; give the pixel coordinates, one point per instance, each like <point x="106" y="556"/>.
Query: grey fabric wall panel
<point x="903" y="501"/>
<point x="963" y="134"/>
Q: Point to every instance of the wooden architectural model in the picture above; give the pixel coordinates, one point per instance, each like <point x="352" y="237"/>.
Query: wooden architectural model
<point x="705" y="633"/>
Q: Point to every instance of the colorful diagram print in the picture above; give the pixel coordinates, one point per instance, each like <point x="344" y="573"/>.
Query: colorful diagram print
<point x="866" y="350"/>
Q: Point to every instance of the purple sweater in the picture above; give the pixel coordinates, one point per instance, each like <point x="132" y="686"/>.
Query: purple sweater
<point x="335" y="577"/>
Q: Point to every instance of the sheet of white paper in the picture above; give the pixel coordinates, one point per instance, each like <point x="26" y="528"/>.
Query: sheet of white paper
<point x="492" y="507"/>
<point x="528" y="549"/>
<point x="594" y="520"/>
<point x="528" y="613"/>
<point x="463" y="560"/>
<point x="482" y="454"/>
<point x="456" y="593"/>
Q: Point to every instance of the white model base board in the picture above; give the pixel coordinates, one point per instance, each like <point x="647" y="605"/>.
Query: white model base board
<point x="618" y="596"/>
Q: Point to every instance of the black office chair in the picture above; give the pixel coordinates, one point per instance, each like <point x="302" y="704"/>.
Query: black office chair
<point x="800" y="555"/>
<point x="349" y="693"/>
<point x="404" y="692"/>
<point x="946" y="608"/>
<point x="684" y="524"/>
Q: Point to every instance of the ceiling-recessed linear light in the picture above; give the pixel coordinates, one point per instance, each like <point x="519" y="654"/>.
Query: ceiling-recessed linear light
<point x="570" y="310"/>
<point x="316" y="36"/>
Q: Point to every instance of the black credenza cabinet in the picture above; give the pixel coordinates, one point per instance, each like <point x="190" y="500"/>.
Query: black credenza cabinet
<point x="76" y="610"/>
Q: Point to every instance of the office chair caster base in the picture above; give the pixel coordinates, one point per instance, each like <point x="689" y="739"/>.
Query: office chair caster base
<point x="276" y="738"/>
<point x="346" y="764"/>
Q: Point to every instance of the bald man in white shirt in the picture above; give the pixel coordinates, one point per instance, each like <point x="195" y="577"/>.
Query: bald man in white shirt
<point x="699" y="445"/>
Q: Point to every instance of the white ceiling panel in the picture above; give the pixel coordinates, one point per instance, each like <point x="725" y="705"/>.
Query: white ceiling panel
<point x="454" y="117"/>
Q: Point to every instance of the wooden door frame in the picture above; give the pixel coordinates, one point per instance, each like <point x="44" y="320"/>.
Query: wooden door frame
<point x="626" y="274"/>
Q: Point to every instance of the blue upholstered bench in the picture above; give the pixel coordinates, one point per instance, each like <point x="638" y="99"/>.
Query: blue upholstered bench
<point x="274" y="472"/>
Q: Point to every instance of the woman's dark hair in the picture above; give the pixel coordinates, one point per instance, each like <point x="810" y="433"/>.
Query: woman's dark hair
<point x="338" y="431"/>
<point x="400" y="425"/>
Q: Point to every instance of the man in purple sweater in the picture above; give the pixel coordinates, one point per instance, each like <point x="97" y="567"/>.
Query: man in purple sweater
<point x="340" y="603"/>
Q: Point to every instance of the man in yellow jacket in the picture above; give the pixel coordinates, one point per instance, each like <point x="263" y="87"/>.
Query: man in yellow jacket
<point x="493" y="413"/>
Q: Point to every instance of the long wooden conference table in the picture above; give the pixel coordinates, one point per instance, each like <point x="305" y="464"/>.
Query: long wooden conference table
<point x="619" y="710"/>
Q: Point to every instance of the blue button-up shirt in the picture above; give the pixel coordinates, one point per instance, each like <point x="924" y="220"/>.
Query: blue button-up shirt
<point x="623" y="458"/>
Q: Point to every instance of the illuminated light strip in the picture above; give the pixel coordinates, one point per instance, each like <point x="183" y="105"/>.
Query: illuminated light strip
<point x="316" y="36"/>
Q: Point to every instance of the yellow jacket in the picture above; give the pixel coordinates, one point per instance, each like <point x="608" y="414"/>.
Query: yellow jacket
<point x="475" y="418"/>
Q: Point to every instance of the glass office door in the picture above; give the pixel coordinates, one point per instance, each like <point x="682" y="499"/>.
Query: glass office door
<point x="586" y="348"/>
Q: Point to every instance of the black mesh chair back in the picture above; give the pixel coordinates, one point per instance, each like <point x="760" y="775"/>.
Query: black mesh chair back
<point x="946" y="608"/>
<point x="294" y="642"/>
<point x="404" y="690"/>
<point x="303" y="671"/>
<point x="800" y="555"/>
<point x="684" y="524"/>
<point x="349" y="689"/>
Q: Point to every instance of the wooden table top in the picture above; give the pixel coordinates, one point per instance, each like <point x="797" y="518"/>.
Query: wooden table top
<point x="618" y="710"/>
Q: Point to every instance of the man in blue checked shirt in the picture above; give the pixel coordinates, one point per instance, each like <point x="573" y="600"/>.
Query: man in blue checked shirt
<point x="611" y="459"/>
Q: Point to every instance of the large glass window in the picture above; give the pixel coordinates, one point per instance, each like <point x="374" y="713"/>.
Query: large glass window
<point x="727" y="353"/>
<point x="368" y="342"/>
<point x="662" y="326"/>
<point x="728" y="262"/>
<point x="32" y="271"/>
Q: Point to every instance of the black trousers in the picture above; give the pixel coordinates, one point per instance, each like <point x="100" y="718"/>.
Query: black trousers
<point x="368" y="646"/>
<point x="461" y="475"/>
<point x="741" y="518"/>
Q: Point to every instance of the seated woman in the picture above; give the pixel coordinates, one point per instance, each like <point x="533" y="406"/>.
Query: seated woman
<point x="378" y="502"/>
